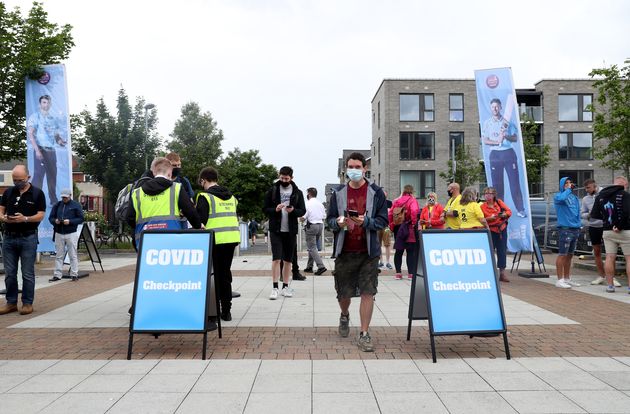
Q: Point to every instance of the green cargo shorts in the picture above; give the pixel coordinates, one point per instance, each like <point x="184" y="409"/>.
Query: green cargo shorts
<point x="355" y="274"/>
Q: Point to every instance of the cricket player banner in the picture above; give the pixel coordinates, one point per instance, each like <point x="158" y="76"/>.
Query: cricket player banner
<point x="48" y="141"/>
<point x="502" y="146"/>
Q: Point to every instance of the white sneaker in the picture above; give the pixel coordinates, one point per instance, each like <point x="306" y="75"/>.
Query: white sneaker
<point x="287" y="292"/>
<point x="572" y="283"/>
<point x="598" y="281"/>
<point x="274" y="294"/>
<point x="616" y="282"/>
<point x="561" y="283"/>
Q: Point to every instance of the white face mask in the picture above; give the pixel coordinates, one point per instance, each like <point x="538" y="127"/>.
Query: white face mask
<point x="354" y="174"/>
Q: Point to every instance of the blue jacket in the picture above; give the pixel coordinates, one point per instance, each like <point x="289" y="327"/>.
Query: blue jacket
<point x="567" y="207"/>
<point x="375" y="220"/>
<point x="71" y="211"/>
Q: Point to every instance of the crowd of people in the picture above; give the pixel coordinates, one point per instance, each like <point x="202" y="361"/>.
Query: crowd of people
<point x="359" y="214"/>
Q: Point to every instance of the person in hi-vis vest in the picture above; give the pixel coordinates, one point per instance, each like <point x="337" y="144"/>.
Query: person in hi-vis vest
<point x="217" y="209"/>
<point x="160" y="203"/>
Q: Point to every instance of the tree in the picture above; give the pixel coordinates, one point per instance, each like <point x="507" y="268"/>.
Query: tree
<point x="197" y="140"/>
<point x="468" y="169"/>
<point x="612" y="117"/>
<point x="245" y="175"/>
<point x="112" y="148"/>
<point x="536" y="156"/>
<point x="26" y="44"/>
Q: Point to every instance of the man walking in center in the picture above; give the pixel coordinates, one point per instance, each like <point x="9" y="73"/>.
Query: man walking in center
<point x="314" y="217"/>
<point x="284" y="203"/>
<point x="569" y="223"/>
<point x="357" y="212"/>
<point x="22" y="208"/>
<point x="65" y="216"/>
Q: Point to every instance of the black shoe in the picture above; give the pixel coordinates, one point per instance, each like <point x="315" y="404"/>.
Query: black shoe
<point x="320" y="271"/>
<point x="212" y="323"/>
<point x="54" y="279"/>
<point x="308" y="270"/>
<point x="299" y="276"/>
<point x="75" y="278"/>
<point x="226" y="316"/>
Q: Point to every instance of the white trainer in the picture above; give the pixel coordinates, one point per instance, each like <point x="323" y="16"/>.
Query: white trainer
<point x="287" y="292"/>
<point x="562" y="284"/>
<point x="572" y="283"/>
<point x="616" y="282"/>
<point x="274" y="294"/>
<point x="598" y="281"/>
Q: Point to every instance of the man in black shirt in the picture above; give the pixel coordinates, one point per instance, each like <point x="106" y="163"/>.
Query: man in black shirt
<point x="22" y="208"/>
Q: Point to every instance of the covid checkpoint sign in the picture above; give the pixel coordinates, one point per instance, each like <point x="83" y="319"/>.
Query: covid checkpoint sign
<point x="461" y="282"/>
<point x="171" y="289"/>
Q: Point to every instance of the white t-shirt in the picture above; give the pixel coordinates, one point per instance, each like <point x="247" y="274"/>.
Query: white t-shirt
<point x="315" y="211"/>
<point x="285" y="198"/>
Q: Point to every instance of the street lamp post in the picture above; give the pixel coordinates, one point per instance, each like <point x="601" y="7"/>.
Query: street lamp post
<point x="147" y="107"/>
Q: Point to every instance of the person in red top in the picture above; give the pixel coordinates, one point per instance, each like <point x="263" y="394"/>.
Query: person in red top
<point x="431" y="214"/>
<point x="410" y="204"/>
<point x="497" y="214"/>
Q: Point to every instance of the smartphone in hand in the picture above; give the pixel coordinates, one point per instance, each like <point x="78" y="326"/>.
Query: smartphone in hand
<point x="353" y="213"/>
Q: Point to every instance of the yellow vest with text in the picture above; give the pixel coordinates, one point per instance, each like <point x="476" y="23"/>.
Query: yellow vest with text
<point x="222" y="218"/>
<point x="159" y="211"/>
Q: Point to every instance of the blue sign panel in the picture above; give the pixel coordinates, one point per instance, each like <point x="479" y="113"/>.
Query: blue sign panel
<point x="172" y="281"/>
<point x="461" y="283"/>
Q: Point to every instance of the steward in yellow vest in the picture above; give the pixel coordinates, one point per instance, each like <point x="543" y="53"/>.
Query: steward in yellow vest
<point x="216" y="207"/>
<point x="160" y="203"/>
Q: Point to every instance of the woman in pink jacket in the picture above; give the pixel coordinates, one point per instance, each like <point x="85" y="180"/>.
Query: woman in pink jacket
<point x="408" y="204"/>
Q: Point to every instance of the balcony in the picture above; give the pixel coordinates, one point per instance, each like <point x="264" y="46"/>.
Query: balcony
<point x="534" y="112"/>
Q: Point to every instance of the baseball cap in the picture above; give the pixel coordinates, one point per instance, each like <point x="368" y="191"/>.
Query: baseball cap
<point x="66" y="193"/>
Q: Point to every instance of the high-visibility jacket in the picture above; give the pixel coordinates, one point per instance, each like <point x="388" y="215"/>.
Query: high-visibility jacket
<point x="222" y="218"/>
<point x="159" y="211"/>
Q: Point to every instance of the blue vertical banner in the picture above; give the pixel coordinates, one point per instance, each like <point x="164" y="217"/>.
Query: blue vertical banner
<point x="49" y="149"/>
<point x="502" y="147"/>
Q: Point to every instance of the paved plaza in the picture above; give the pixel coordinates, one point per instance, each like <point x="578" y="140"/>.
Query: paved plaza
<point x="570" y="349"/>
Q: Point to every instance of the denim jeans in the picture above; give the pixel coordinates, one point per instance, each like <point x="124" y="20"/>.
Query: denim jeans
<point x="499" y="242"/>
<point x="24" y="250"/>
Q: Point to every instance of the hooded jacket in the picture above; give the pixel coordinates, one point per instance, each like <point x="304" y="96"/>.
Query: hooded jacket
<point x="272" y="199"/>
<point x="158" y="185"/>
<point x="619" y="207"/>
<point x="203" y="209"/>
<point x="567" y="207"/>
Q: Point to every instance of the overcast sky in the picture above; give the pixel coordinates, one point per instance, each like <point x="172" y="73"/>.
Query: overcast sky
<point x="294" y="79"/>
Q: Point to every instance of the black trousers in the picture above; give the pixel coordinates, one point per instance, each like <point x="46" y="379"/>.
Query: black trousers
<point x="506" y="161"/>
<point x="46" y="166"/>
<point x="222" y="255"/>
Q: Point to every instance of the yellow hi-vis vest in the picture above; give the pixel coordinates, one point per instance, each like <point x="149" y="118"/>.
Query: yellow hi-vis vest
<point x="222" y="218"/>
<point x="159" y="211"/>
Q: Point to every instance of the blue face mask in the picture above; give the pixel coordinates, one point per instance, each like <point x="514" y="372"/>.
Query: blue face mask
<point x="354" y="174"/>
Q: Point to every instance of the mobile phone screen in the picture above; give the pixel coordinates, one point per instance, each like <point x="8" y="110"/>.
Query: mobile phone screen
<point x="353" y="213"/>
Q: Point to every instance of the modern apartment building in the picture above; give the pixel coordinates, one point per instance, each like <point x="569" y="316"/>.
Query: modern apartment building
<point x="417" y="124"/>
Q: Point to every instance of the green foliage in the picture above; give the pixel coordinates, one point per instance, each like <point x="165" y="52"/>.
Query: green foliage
<point x="468" y="171"/>
<point x="113" y="148"/>
<point x="537" y="156"/>
<point x="26" y="44"/>
<point x="197" y="140"/>
<point x="249" y="179"/>
<point x="612" y="117"/>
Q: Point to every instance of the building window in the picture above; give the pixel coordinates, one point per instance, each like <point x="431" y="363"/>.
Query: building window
<point x="417" y="107"/>
<point x="379" y="150"/>
<point x="423" y="182"/>
<point x="574" y="108"/>
<point x="417" y="145"/>
<point x="455" y="140"/>
<point x="378" y="109"/>
<point x="575" y="146"/>
<point x="456" y="107"/>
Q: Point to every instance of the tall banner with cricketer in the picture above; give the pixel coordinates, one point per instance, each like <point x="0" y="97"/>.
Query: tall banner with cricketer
<point x="48" y="143"/>
<point x="503" y="154"/>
